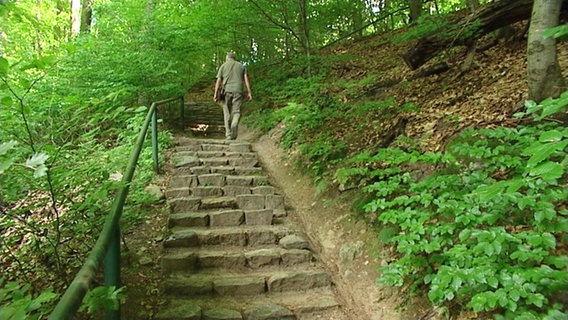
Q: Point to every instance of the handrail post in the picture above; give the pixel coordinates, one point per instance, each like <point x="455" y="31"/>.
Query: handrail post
<point x="112" y="270"/>
<point x="155" y="140"/>
<point x="182" y="114"/>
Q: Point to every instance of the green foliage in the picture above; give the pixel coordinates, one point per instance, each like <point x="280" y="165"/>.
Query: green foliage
<point x="17" y="303"/>
<point x="557" y="32"/>
<point x="374" y="106"/>
<point x="321" y="154"/>
<point x="68" y="124"/>
<point x="102" y="297"/>
<point x="482" y="231"/>
<point x="426" y="25"/>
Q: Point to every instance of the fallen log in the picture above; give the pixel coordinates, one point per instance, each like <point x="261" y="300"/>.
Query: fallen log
<point x="489" y="18"/>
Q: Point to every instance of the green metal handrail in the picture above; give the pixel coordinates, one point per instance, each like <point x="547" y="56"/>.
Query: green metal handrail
<point x="108" y="243"/>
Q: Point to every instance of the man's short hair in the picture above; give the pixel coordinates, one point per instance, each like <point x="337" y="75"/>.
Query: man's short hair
<point x="230" y="55"/>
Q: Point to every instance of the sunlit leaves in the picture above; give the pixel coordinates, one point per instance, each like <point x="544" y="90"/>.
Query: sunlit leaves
<point x="37" y="163"/>
<point x="4" y="149"/>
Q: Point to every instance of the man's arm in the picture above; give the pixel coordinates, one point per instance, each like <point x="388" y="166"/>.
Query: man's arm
<point x="217" y="85"/>
<point x="247" y="84"/>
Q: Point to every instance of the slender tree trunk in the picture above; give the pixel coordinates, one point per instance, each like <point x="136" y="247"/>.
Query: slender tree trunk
<point x="305" y="31"/>
<point x="86" y="16"/>
<point x="357" y="18"/>
<point x="473" y="5"/>
<point x="544" y="75"/>
<point x="415" y="9"/>
<point x="75" y="17"/>
<point x="39" y="44"/>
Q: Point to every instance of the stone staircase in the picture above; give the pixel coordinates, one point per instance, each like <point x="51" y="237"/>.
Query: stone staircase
<point x="231" y="252"/>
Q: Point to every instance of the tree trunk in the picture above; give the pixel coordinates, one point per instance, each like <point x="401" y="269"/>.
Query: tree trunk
<point x="489" y="18"/>
<point x="86" y="16"/>
<point x="544" y="74"/>
<point x="473" y="5"/>
<point x="75" y="17"/>
<point x="305" y="31"/>
<point x="415" y="9"/>
<point x="39" y="44"/>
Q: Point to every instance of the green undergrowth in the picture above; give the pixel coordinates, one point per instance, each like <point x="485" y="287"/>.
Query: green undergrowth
<point x="481" y="226"/>
<point x="62" y="157"/>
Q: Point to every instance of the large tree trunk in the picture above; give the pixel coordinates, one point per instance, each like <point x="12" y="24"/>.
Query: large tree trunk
<point x="489" y="18"/>
<point x="544" y="75"/>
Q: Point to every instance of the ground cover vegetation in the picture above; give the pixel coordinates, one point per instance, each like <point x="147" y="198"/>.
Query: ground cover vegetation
<point x="463" y="183"/>
<point x="466" y="188"/>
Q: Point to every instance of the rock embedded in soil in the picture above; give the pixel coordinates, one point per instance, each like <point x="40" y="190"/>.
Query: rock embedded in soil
<point x="294" y="242"/>
<point x="270" y="312"/>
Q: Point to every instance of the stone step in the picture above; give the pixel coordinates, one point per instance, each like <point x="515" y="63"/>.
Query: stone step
<point x="214" y="154"/>
<point x="179" y="190"/>
<point x="196" y="178"/>
<point x="216" y="218"/>
<point x="231" y="236"/>
<point x="212" y="145"/>
<point x="215" y="282"/>
<point x="188" y="204"/>
<point x="234" y="258"/>
<point x="217" y="179"/>
<point x="187" y="163"/>
<point x="314" y="304"/>
<point x="226" y="217"/>
<point x="241" y="201"/>
<point x="226" y="170"/>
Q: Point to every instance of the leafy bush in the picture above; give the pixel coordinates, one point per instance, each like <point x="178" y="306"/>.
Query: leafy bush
<point x="480" y="226"/>
<point x="16" y="302"/>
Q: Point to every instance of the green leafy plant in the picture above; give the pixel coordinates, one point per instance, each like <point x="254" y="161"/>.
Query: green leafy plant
<point x="17" y="303"/>
<point x="482" y="230"/>
<point x="102" y="297"/>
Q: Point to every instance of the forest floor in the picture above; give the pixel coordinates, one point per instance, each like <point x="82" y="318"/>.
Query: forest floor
<point x="486" y="95"/>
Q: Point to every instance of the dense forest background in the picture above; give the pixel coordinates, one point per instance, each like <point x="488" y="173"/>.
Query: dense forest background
<point x="471" y="206"/>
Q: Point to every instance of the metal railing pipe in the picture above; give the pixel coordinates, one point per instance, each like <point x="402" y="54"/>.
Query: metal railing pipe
<point x="73" y="296"/>
<point x="107" y="246"/>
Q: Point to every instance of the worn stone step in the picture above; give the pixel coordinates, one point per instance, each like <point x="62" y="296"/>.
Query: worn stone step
<point x="189" y="204"/>
<point x="221" y="283"/>
<point x="203" y="176"/>
<point x="227" y="217"/>
<point x="225" y="170"/>
<point x="194" y="178"/>
<point x="234" y="258"/>
<point x="314" y="304"/>
<point x="231" y="236"/>
<point x="208" y="201"/>
<point x="221" y="218"/>
<point x="214" y="154"/>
